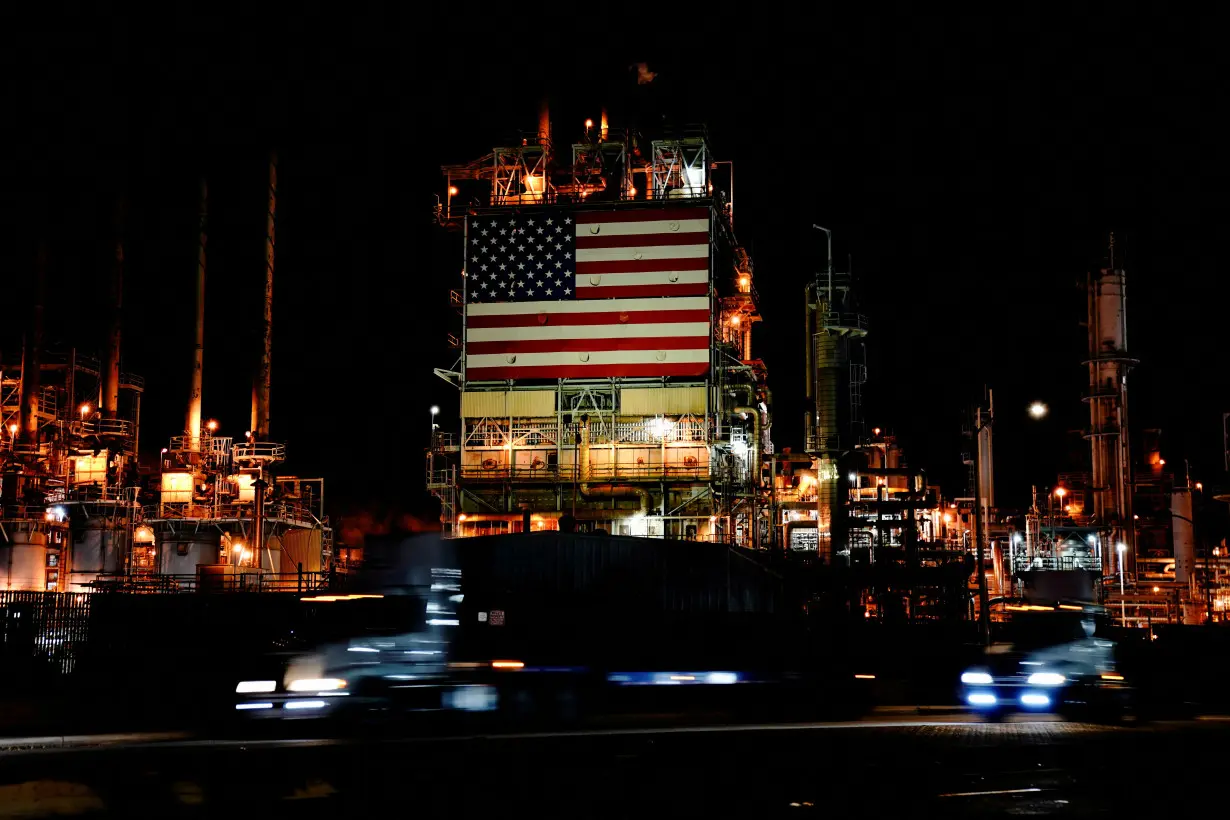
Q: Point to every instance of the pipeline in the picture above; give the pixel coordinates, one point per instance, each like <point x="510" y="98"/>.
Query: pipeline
<point x="593" y="492"/>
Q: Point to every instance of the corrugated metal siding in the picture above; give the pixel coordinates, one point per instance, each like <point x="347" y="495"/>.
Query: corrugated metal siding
<point x="625" y="574"/>
<point x="301" y="548"/>
<point x="656" y="401"/>
<point x="502" y="404"/>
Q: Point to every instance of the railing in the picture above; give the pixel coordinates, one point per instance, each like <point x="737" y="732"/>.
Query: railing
<point x="260" y="451"/>
<point x="86" y="492"/>
<point x="597" y="474"/>
<point x="219" y="446"/>
<point x="230" y="582"/>
<point x="650" y="432"/>
<point x="132" y="381"/>
<point x="227" y="510"/>
<point x="118" y="428"/>
<point x="834" y="320"/>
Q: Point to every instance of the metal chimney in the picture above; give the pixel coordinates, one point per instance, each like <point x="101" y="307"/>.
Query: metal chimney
<point x="32" y="345"/>
<point x="193" y="427"/>
<point x="109" y="398"/>
<point x="260" y="393"/>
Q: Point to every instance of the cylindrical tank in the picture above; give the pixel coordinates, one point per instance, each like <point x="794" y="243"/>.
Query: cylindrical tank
<point x="23" y="560"/>
<point x="1183" y="534"/>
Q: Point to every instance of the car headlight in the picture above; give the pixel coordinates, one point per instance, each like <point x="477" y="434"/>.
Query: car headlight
<point x="976" y="678"/>
<point x="1046" y="679"/>
<point x="316" y="684"/>
<point x="246" y="686"/>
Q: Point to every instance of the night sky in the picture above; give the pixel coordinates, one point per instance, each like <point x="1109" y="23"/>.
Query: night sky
<point x="971" y="168"/>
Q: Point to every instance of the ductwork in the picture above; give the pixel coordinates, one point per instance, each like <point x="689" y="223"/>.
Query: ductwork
<point x="593" y="492"/>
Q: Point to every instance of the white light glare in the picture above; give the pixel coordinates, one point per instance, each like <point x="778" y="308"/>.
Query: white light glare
<point x="244" y="706"/>
<point x="722" y="677"/>
<point x="248" y="686"/>
<point x="305" y="704"/>
<point x="1035" y="700"/>
<point x="981" y="699"/>
<point x="976" y="678"/>
<point x="1046" y="679"/>
<point x="316" y="684"/>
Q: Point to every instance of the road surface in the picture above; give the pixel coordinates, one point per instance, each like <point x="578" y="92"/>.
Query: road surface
<point x="951" y="766"/>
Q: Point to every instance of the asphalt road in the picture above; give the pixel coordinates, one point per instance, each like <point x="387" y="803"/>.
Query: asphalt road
<point x="924" y="765"/>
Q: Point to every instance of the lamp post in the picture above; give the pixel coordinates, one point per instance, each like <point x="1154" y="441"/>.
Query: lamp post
<point x="1121" y="548"/>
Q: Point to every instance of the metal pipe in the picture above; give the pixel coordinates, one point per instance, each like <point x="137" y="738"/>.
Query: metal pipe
<point x="260" y="407"/>
<point x="32" y="346"/>
<point x="193" y="425"/>
<point x="591" y="492"/>
<point x="109" y="399"/>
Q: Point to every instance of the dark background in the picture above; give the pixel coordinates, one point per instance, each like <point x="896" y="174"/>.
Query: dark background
<point x="971" y="167"/>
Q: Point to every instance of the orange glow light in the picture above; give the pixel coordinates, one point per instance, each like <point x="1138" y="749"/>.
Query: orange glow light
<point x="1199" y="486"/>
<point x="85" y="408"/>
<point x="631" y="191"/>
<point x="876" y="431"/>
<point x="452" y="190"/>
<point x="734" y="320"/>
<point x="589" y="124"/>
<point x="1061" y="492"/>
<point x="507" y="664"/>
<point x="212" y="425"/>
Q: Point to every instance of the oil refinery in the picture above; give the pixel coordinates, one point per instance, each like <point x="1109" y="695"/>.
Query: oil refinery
<point x="79" y="510"/>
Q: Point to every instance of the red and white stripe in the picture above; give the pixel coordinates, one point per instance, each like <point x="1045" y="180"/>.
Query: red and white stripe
<point x="653" y="252"/>
<point x="648" y="337"/>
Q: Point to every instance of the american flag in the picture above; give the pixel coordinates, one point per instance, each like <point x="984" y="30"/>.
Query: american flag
<point x="555" y="293"/>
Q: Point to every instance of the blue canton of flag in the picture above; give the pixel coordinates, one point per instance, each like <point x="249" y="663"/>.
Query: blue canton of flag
<point x="521" y="257"/>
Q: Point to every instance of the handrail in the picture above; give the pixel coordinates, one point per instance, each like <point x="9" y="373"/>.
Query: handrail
<point x="260" y="451"/>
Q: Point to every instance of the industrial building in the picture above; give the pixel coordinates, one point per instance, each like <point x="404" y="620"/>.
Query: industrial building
<point x="605" y="359"/>
<point x="79" y="512"/>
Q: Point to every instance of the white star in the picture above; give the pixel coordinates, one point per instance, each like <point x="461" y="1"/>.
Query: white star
<point x="548" y="291"/>
<point x="559" y="247"/>
<point x="503" y="231"/>
<point x="475" y="240"/>
<point x="558" y="264"/>
<point x="512" y="292"/>
<point x="520" y="230"/>
<point x="558" y="229"/>
<point x="521" y="284"/>
<point x="567" y="238"/>
<point x="538" y="247"/>
<point x="520" y="266"/>
<point x="550" y="221"/>
<point x="502" y="247"/>
<point x="540" y="266"/>
<point x="558" y="282"/>
<point x="473" y="275"/>
<point x="502" y="267"/>
<point x="568" y="221"/>
<point x="483" y="267"/>
<point x="538" y="283"/>
<point x="521" y="247"/>
<point x="484" y="231"/>
<point x="529" y="222"/>
<point x="529" y="292"/>
<point x="475" y="258"/>
<point x="540" y="230"/>
<point x="567" y="290"/>
<point x="494" y="223"/>
<point x="494" y="276"/>
<point x="484" y="285"/>
<point x="567" y="256"/>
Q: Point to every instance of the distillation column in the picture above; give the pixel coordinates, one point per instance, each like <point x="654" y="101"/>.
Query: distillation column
<point x="1109" y="364"/>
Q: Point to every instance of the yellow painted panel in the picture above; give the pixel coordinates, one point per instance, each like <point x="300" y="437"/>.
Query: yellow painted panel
<point x="477" y="404"/>
<point x="659" y="401"/>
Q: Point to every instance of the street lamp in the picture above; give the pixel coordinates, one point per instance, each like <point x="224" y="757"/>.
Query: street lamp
<point x="1121" y="548"/>
<point x="1038" y="410"/>
<point x="434" y="412"/>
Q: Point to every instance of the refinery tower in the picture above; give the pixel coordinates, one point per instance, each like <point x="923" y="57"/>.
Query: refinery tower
<point x="605" y="352"/>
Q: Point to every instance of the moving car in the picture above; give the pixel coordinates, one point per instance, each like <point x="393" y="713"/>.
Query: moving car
<point x="1056" y="661"/>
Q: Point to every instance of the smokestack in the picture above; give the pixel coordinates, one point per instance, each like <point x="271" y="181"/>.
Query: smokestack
<point x="603" y="126"/>
<point x="32" y="346"/>
<point x="260" y="393"/>
<point x="544" y="120"/>
<point x="198" y="338"/>
<point x="109" y="400"/>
